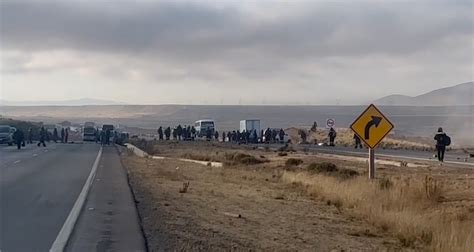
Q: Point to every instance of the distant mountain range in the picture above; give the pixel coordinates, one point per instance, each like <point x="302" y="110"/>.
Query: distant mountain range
<point x="78" y="102"/>
<point x="459" y="95"/>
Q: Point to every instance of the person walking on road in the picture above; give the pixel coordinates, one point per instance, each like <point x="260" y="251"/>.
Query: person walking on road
<point x="62" y="135"/>
<point x="107" y="136"/>
<point x="42" y="137"/>
<point x="332" y="136"/>
<point x="97" y="135"/>
<point x="442" y="140"/>
<point x="19" y="138"/>
<point x="358" y="144"/>
<point x="66" y="135"/>
<point x="102" y="138"/>
<point x="30" y="136"/>
<point x="216" y="136"/>
<point x="55" y="135"/>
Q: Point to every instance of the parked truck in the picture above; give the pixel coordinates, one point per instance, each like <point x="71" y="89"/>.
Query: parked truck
<point x="250" y="125"/>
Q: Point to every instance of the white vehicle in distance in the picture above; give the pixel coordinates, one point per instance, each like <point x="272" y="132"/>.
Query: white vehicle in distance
<point x="202" y="127"/>
<point x="89" y="132"/>
<point x="250" y="125"/>
<point x="6" y="134"/>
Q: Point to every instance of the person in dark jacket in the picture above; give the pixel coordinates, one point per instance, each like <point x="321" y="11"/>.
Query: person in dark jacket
<point x="160" y="133"/>
<point x="103" y="140"/>
<point x="175" y="134"/>
<point x="208" y="134"/>
<point x="30" y="136"/>
<point x="42" y="137"/>
<point x="62" y="135"/>
<point x="332" y="136"/>
<point x="55" y="135"/>
<point x="97" y="135"/>
<point x="19" y="138"/>
<point x="358" y="144"/>
<point x="441" y="139"/>
<point x="66" y="135"/>
<point x="229" y="136"/>
<point x="255" y="136"/>
<point x="281" y="135"/>
<point x="216" y="135"/>
<point x="168" y="133"/>
<point x="107" y="136"/>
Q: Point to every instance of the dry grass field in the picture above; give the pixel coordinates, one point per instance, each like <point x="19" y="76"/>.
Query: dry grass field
<point x="267" y="200"/>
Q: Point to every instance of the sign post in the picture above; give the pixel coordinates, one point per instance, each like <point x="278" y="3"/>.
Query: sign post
<point x="371" y="127"/>
<point x="371" y="163"/>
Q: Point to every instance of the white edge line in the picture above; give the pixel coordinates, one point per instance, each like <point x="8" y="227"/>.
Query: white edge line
<point x="66" y="231"/>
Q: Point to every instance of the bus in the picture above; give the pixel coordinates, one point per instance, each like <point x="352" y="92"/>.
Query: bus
<point x="202" y="126"/>
<point x="89" y="132"/>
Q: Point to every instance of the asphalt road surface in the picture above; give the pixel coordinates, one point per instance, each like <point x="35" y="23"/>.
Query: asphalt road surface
<point x="38" y="188"/>
<point x="450" y="156"/>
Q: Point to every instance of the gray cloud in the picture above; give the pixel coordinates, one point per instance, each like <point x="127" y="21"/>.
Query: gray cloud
<point x="193" y="30"/>
<point x="211" y="41"/>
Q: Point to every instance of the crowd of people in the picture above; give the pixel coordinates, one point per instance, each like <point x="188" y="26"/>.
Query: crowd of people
<point x="186" y="133"/>
<point x="103" y="136"/>
<point x="21" y="139"/>
<point x="189" y="133"/>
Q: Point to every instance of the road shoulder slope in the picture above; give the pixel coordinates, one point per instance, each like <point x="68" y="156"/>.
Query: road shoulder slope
<point x="109" y="219"/>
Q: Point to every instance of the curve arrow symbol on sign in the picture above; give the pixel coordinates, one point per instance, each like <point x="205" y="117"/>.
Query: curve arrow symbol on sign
<point x="374" y="122"/>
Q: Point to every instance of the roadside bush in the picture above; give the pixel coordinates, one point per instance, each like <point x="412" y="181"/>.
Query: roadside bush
<point x="194" y="156"/>
<point x="348" y="173"/>
<point x="144" y="145"/>
<point x="242" y="158"/>
<point x="322" y="167"/>
<point x="385" y="183"/>
<point x="293" y="162"/>
<point x="282" y="154"/>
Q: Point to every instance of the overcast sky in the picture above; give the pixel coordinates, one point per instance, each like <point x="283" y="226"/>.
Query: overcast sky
<point x="231" y="52"/>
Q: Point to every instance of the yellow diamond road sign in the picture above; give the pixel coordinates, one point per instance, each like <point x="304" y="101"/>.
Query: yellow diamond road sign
<point x="372" y="126"/>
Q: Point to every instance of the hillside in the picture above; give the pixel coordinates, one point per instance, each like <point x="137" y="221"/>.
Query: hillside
<point x="459" y="95"/>
<point x="77" y="102"/>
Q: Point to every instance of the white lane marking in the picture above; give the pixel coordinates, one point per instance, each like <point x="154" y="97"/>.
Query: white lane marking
<point x="66" y="231"/>
<point x="16" y="162"/>
<point x="35" y="155"/>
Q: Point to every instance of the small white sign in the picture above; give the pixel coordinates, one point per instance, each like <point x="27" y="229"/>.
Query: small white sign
<point x="330" y="123"/>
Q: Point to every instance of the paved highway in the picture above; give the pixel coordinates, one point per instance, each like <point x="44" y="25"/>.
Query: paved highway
<point x="38" y="187"/>
<point x="455" y="157"/>
<point x="450" y="156"/>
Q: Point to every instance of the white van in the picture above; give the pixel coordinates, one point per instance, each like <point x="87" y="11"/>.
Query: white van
<point x="202" y="126"/>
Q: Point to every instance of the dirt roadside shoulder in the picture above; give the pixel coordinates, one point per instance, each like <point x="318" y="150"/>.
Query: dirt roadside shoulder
<point x="274" y="215"/>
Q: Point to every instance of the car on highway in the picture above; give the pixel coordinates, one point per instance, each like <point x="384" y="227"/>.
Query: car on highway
<point x="202" y="126"/>
<point x="6" y="134"/>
